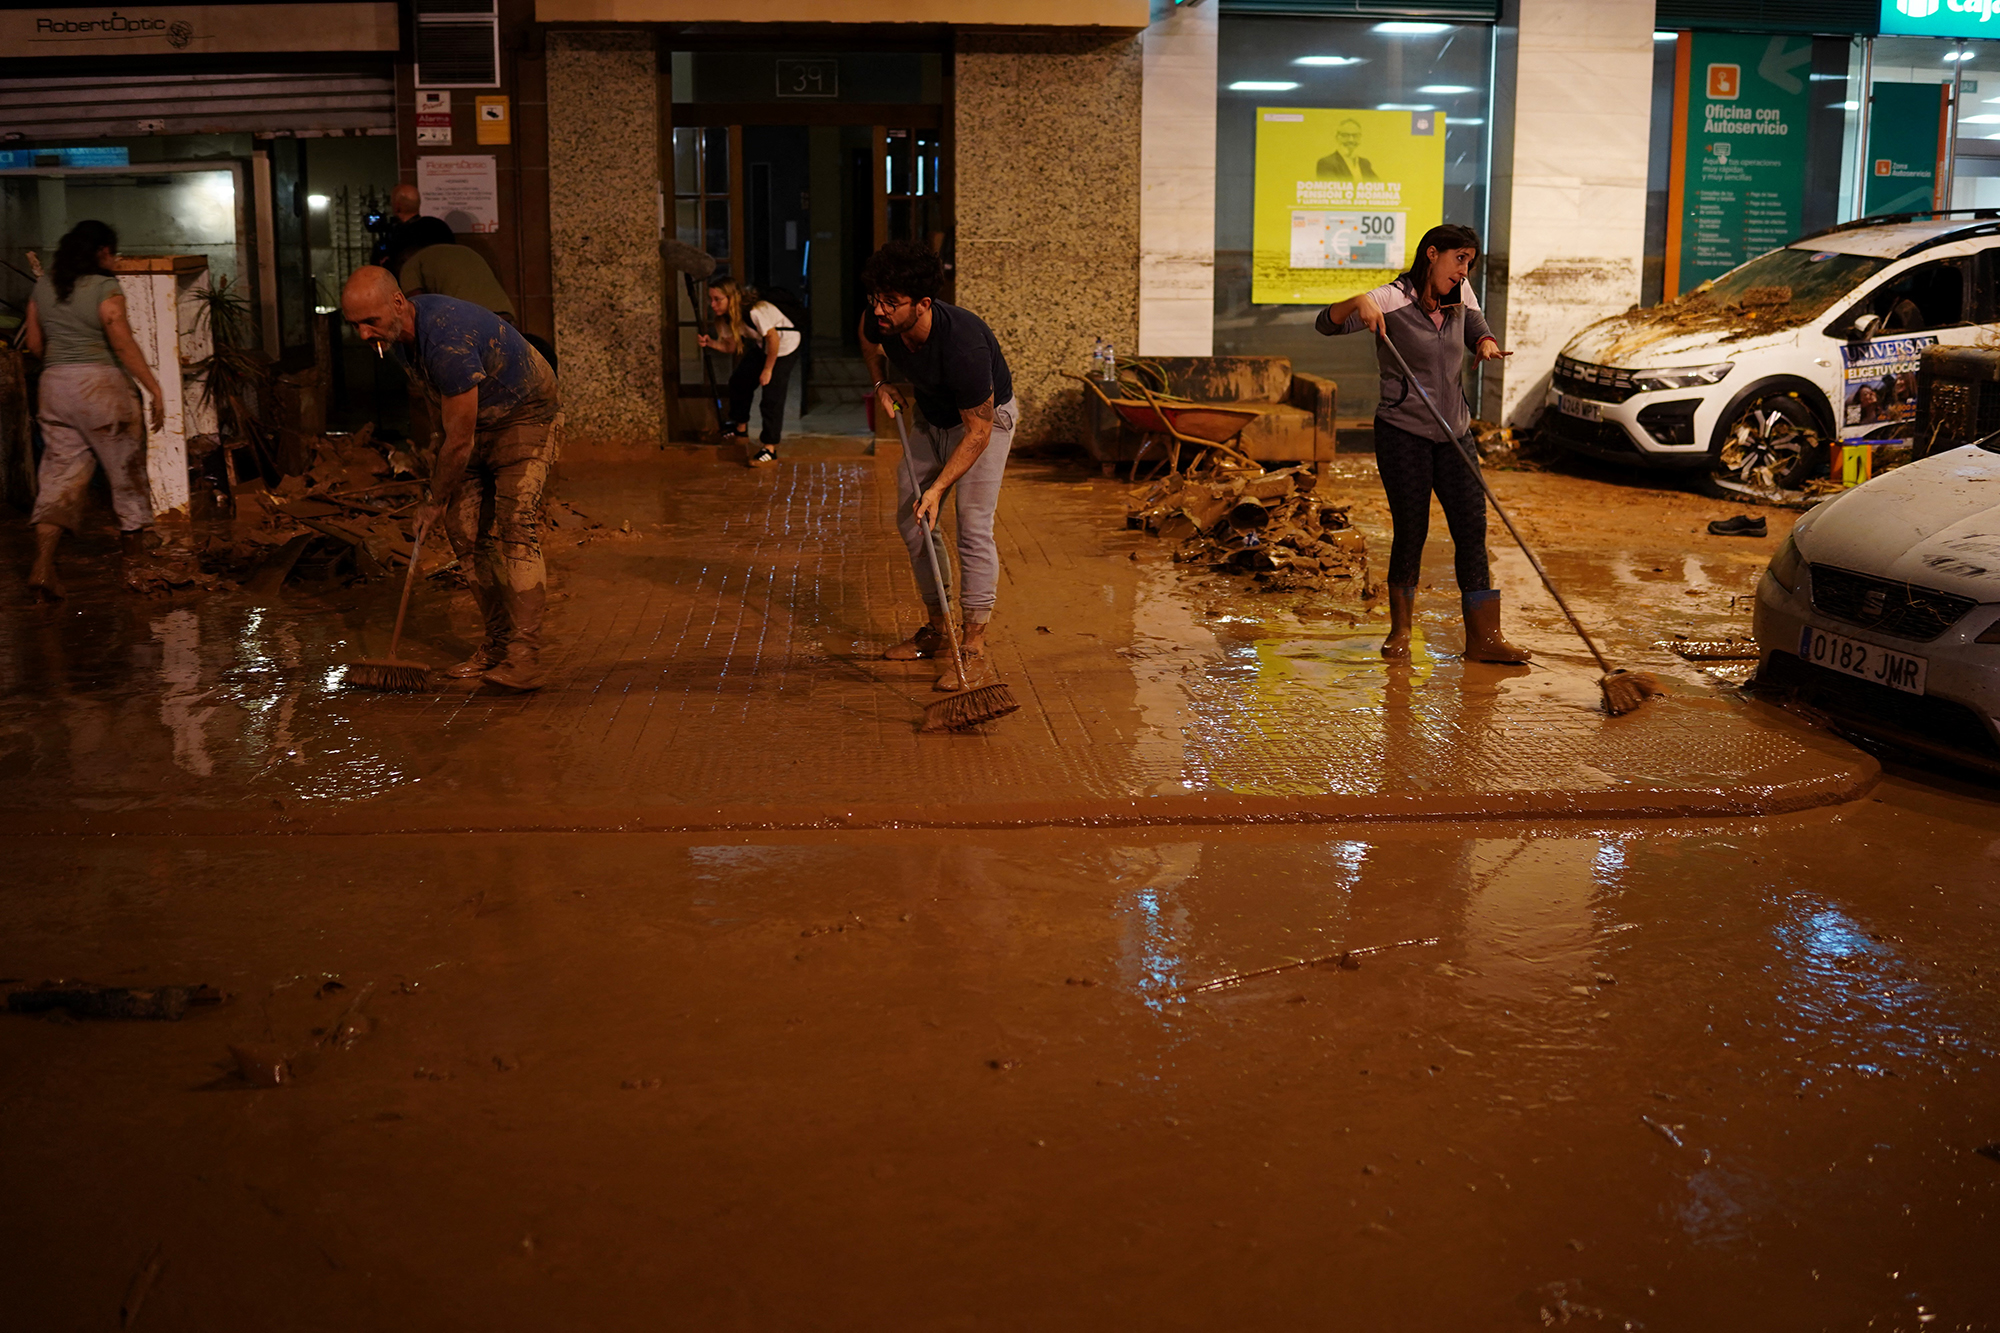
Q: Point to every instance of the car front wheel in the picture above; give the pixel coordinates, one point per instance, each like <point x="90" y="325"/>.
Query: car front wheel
<point x="1764" y="447"/>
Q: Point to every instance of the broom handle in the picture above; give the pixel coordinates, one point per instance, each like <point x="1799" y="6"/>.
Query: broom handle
<point x="1498" y="508"/>
<point x="930" y="549"/>
<point x="409" y="581"/>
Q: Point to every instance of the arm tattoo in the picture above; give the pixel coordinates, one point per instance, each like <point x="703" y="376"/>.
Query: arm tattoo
<point x="983" y="412"/>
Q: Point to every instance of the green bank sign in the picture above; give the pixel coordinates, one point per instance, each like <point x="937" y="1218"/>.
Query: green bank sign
<point x="1941" y="18"/>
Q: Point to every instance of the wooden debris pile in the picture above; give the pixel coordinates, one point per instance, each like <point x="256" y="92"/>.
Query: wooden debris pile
<point x="1273" y="526"/>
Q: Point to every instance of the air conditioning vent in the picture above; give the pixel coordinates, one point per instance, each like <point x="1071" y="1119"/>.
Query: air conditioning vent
<point x="458" y="43"/>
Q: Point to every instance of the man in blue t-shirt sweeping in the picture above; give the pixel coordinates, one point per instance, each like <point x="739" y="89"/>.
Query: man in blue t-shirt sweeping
<point x="959" y="436"/>
<point x="497" y="401"/>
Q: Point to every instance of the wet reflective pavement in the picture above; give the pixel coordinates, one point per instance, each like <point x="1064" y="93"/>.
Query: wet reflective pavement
<point x="715" y="665"/>
<point x="1594" y="1071"/>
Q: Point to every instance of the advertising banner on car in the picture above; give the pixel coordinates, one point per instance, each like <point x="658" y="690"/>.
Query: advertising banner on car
<point x="1740" y="169"/>
<point x="1879" y="389"/>
<point x="1342" y="196"/>
<point x="1906" y="137"/>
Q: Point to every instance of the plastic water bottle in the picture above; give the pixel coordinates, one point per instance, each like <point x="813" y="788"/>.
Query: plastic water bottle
<point x="1110" y="364"/>
<point x="1097" y="359"/>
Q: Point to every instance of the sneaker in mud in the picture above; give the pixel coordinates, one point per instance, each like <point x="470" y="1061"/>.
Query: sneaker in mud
<point x="764" y="456"/>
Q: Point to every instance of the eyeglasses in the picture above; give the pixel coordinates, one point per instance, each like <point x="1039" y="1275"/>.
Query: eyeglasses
<point x="889" y="304"/>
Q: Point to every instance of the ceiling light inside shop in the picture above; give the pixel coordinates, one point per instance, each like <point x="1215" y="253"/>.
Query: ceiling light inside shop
<point x="1950" y="56"/>
<point x="1412" y="29"/>
<point x="1661" y="35"/>
<point x="1446" y="89"/>
<point x="1843" y="106"/>
<point x="316" y="200"/>
<point x="1331" y="60"/>
<point x="1455" y="121"/>
<point x="1404" y="106"/>
<point x="1261" y="86"/>
<point x="1979" y="120"/>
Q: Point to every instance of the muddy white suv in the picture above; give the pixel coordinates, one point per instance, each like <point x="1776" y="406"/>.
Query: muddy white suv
<point x="1753" y="374"/>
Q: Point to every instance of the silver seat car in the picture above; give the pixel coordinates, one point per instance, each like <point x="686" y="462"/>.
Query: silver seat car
<point x="1883" y="607"/>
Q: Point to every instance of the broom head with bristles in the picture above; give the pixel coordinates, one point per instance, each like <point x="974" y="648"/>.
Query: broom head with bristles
<point x="401" y="677"/>
<point x="969" y="708"/>
<point x="1626" y="690"/>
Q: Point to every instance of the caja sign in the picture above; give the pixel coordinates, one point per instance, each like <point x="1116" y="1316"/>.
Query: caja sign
<point x="1941" y="18"/>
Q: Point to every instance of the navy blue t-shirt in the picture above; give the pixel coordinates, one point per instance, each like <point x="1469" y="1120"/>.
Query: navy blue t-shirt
<point x="958" y="367"/>
<point x="463" y="346"/>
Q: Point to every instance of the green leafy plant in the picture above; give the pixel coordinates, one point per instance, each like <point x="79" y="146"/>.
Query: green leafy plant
<point x="235" y="378"/>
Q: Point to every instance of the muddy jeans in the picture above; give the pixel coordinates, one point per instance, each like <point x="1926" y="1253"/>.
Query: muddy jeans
<point x="976" y="496"/>
<point x="90" y="414"/>
<point x="494" y="520"/>
<point x="1412" y="468"/>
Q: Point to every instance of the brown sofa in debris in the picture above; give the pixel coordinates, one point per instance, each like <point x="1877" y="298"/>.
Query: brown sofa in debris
<point x="1294" y="422"/>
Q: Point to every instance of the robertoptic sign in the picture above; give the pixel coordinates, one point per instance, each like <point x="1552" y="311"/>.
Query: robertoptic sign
<point x="1941" y="18"/>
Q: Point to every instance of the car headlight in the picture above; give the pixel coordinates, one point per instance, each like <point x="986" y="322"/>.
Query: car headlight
<point x="1787" y="565"/>
<point x="1686" y="377"/>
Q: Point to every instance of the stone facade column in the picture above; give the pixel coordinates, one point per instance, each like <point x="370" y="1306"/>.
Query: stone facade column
<point x="1572" y="98"/>
<point x="1177" y="185"/>
<point x="604" y="234"/>
<point x="1047" y="140"/>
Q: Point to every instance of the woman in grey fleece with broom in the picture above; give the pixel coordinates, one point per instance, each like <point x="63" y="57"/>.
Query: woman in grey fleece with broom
<point x="1435" y="321"/>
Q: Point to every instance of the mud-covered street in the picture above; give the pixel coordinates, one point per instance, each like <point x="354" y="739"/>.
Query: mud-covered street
<point x="1238" y="981"/>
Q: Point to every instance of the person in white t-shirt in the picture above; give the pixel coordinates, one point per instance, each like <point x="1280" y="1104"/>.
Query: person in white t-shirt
<point x="766" y="346"/>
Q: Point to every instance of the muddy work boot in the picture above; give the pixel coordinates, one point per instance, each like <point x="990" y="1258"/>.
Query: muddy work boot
<point x="492" y="651"/>
<point x="978" y="668"/>
<point x="1402" y="615"/>
<point x="1483" y="642"/>
<point x="927" y="642"/>
<point x="521" y="670"/>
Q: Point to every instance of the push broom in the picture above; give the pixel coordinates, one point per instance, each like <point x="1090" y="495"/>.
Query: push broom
<point x="969" y="707"/>
<point x="1623" y="690"/>
<point x="391" y="672"/>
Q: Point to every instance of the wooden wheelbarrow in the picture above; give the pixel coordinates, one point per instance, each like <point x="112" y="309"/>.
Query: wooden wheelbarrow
<point x="1208" y="427"/>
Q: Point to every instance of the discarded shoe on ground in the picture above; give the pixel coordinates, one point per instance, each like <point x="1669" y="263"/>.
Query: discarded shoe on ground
<point x="1741" y="526"/>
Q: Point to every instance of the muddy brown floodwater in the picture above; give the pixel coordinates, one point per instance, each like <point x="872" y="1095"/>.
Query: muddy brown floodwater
<point x="488" y="1061"/>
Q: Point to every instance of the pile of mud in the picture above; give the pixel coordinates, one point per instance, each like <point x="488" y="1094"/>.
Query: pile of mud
<point x="1271" y="525"/>
<point x="350" y="516"/>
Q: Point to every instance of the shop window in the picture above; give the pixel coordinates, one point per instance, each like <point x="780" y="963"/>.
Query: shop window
<point x="1435" y="74"/>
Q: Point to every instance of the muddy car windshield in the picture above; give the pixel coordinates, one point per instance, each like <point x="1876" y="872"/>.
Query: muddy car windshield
<point x="1814" y="278"/>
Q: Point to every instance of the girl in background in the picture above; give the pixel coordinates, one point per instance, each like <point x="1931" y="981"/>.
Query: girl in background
<point x="765" y="344"/>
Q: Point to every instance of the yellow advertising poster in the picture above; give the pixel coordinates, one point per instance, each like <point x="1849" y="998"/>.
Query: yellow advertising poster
<point x="1342" y="196"/>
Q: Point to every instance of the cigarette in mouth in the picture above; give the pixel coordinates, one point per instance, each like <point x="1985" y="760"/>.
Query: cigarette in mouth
<point x="380" y="352"/>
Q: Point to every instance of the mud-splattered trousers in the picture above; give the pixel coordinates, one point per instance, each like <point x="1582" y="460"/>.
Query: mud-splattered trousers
<point x="90" y="414"/>
<point x="1412" y="467"/>
<point x="976" y="496"/>
<point x="494" y="519"/>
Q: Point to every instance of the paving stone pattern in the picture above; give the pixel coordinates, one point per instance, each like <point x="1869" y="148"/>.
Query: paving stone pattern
<point x="719" y="665"/>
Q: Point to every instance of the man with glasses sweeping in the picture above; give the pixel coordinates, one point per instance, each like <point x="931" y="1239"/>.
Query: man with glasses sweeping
<point x="958" y="437"/>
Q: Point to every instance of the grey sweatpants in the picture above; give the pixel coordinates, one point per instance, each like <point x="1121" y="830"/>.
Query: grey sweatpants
<point x="90" y="414"/>
<point x="976" y="496"/>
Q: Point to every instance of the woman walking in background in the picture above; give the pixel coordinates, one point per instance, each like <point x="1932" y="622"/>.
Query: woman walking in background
<point x="766" y="345"/>
<point x="89" y="413"/>
<point x="1434" y="321"/>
